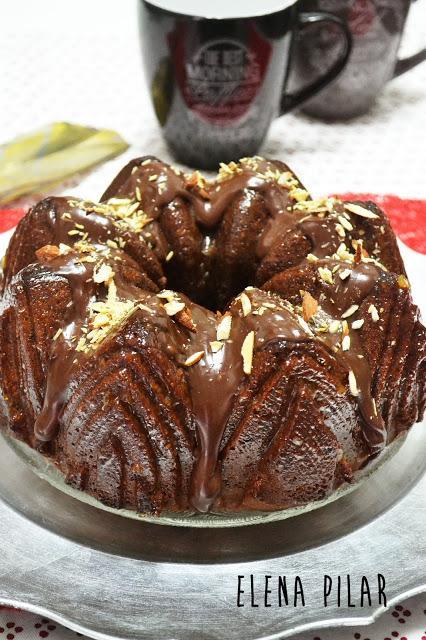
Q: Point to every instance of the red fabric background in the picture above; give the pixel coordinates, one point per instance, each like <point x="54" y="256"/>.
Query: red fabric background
<point x="408" y="217"/>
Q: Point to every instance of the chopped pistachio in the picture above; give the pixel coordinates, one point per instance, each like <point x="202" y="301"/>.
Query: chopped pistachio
<point x="325" y="274"/>
<point x="403" y="282"/>
<point x="334" y="326"/>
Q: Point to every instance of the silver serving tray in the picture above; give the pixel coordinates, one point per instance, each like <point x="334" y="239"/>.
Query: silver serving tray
<point x="113" y="577"/>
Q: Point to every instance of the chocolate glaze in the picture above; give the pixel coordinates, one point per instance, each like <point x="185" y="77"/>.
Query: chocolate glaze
<point x="215" y="379"/>
<point x="209" y="207"/>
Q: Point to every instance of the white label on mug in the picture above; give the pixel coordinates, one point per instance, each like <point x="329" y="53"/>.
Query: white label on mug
<point x="223" y="9"/>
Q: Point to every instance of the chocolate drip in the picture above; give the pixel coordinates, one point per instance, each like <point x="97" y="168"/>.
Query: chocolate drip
<point x="352" y="291"/>
<point x="215" y="380"/>
<point x="65" y="358"/>
<point x="322" y="234"/>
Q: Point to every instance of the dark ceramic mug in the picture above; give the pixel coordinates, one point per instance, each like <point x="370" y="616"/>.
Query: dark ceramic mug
<point x="376" y="27"/>
<point x="217" y="71"/>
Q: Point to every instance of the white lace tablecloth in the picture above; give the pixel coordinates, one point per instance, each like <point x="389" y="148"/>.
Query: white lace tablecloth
<point x="79" y="61"/>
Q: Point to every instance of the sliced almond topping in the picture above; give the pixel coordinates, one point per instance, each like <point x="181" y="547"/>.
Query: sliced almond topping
<point x="166" y="294"/>
<point x="344" y="254"/>
<point x="103" y="273"/>
<point x="247" y="352"/>
<point x="359" y="211"/>
<point x="194" y="358"/>
<point x="81" y="344"/>
<point x="304" y="325"/>
<point x="101" y="320"/>
<point x="223" y="330"/>
<point x="345" y="328"/>
<point x="357" y="324"/>
<point x="309" y="306"/>
<point x="169" y="256"/>
<point x="344" y="274"/>
<point x="216" y="346"/>
<point x="57" y="334"/>
<point x="353" y="385"/>
<point x="349" y="312"/>
<point x="245" y="304"/>
<point x="346" y="343"/>
<point x="340" y="230"/>
<point x="260" y="311"/>
<point x="325" y="274"/>
<point x="119" y="202"/>
<point x="173" y="307"/>
<point x="112" y="292"/>
<point x="345" y="223"/>
<point x="144" y="307"/>
<point x="184" y="318"/>
<point x="374" y="313"/>
<point x="311" y="258"/>
<point x="48" y="252"/>
<point x="286" y="178"/>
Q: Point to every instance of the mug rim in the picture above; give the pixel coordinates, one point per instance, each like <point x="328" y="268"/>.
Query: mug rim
<point x="222" y="9"/>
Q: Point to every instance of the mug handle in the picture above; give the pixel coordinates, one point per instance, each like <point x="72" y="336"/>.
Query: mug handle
<point x="291" y="100"/>
<point x="408" y="63"/>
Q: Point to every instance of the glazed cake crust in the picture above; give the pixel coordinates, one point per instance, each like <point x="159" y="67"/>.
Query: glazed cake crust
<point x="224" y="345"/>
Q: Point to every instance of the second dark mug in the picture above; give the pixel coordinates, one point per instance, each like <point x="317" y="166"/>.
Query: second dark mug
<point x="218" y="76"/>
<point x="376" y="27"/>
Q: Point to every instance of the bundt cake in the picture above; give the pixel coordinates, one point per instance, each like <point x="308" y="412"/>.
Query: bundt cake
<point x="193" y="345"/>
